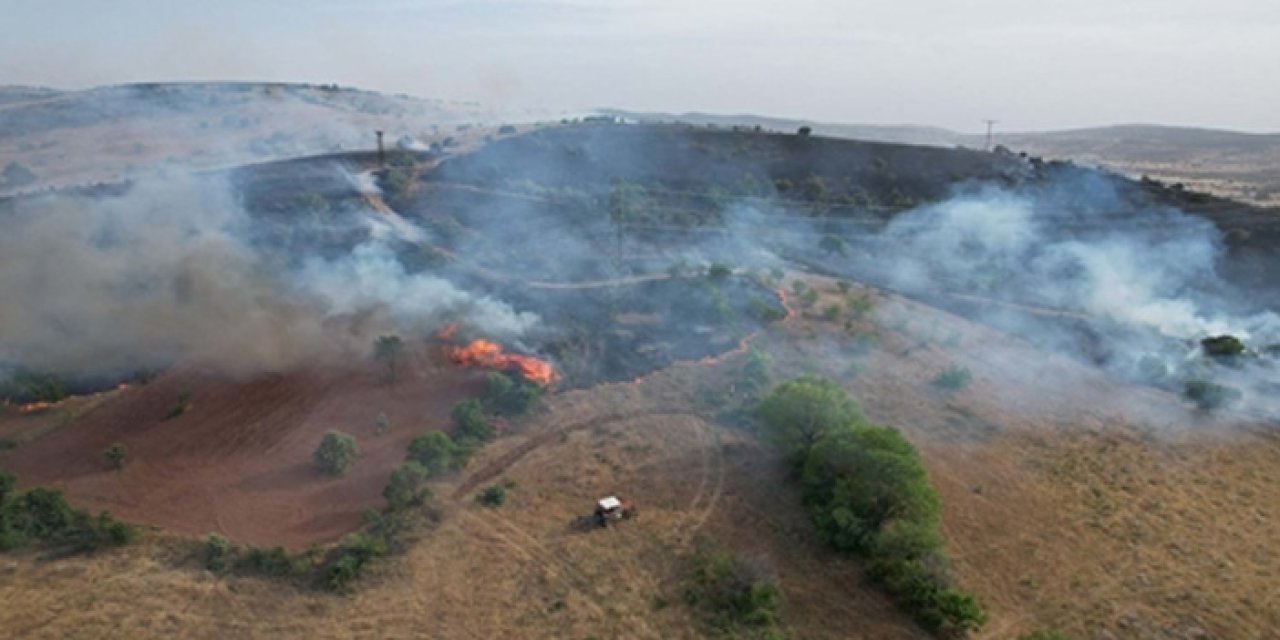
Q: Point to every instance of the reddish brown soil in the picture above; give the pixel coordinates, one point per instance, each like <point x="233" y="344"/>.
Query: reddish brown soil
<point x="238" y="461"/>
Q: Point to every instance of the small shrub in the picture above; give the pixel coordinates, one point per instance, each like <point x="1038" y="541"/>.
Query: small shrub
<point x="1209" y="396"/>
<point x="493" y="496"/>
<point x="734" y="593"/>
<point x="1223" y="347"/>
<point x="336" y="453"/>
<point x="953" y="378"/>
<point x="719" y="271"/>
<point x="217" y="553"/>
<point x="184" y="403"/>
<point x="388" y="350"/>
<point x="381" y="423"/>
<point x="115" y="455"/>
<point x="831" y="312"/>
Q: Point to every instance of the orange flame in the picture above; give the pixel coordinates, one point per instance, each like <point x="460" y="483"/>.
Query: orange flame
<point x="34" y="406"/>
<point x="488" y="354"/>
<point x="446" y="333"/>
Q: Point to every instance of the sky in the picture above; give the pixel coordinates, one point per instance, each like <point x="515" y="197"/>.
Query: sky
<point x="1031" y="64"/>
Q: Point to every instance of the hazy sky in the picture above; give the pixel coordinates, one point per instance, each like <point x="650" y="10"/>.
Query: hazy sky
<point x="1032" y="64"/>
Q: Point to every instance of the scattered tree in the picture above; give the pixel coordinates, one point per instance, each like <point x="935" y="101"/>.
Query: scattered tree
<point x="473" y="427"/>
<point x="804" y="131"/>
<point x="381" y="423"/>
<point x="336" y="453"/>
<point x="407" y="486"/>
<point x="799" y="412"/>
<point x="436" y="452"/>
<point x="217" y="553"/>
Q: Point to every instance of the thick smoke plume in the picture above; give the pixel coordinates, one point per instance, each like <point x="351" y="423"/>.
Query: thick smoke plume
<point x="173" y="271"/>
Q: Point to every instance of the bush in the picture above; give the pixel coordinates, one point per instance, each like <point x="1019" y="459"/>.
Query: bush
<point x="1223" y="347"/>
<point x="43" y="515"/>
<point x="436" y="452"/>
<point x="493" y="496"/>
<point x="755" y="373"/>
<point x="869" y="494"/>
<point x="407" y="486"/>
<point x="831" y="244"/>
<point x="799" y="412"/>
<point x="1210" y="395"/>
<point x="719" y="271"/>
<point x="336" y="453"/>
<point x="184" y="403"/>
<point x="953" y="378"/>
<point x="388" y="350"/>
<point x="733" y="592"/>
<point x="472" y="426"/>
<point x="351" y="557"/>
<point x="510" y="394"/>
<point x="115" y="455"/>
<point x="28" y="386"/>
<point x="217" y="553"/>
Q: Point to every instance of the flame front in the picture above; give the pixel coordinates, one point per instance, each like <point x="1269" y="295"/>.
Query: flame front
<point x="490" y="355"/>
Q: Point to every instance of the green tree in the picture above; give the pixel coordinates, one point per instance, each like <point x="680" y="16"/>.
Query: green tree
<point x="804" y="131"/>
<point x="407" y="486"/>
<point x="217" y="553"/>
<point x="472" y="426"/>
<point x="799" y="412"/>
<point x="388" y="350"/>
<point x="336" y="453"/>
<point x="435" y="451"/>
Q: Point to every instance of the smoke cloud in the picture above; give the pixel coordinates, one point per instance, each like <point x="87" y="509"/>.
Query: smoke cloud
<point x="176" y="270"/>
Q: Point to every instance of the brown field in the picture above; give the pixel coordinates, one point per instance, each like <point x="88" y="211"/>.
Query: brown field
<point x="1070" y="501"/>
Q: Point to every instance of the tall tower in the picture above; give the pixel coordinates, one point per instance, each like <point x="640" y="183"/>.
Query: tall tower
<point x="382" y="154"/>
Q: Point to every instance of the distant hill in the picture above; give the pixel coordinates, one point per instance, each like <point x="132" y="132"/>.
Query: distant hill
<point x="112" y="133"/>
<point x="1244" y="166"/>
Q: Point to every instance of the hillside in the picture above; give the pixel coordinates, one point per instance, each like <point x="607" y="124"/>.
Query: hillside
<point x="1030" y="327"/>
<point x="1243" y="166"/>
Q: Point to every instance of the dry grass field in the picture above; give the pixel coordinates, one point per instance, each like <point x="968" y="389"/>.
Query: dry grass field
<point x="1070" y="502"/>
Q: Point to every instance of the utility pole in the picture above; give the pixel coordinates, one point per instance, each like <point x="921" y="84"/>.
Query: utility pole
<point x="990" y="125"/>
<point x="382" y="156"/>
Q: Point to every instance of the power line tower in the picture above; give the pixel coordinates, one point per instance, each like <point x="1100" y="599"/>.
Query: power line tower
<point x="990" y="125"/>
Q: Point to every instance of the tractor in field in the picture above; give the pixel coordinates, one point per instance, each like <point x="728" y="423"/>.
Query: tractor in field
<point x="608" y="509"/>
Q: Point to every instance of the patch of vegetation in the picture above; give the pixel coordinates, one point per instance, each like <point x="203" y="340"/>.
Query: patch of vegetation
<point x="719" y="271"/>
<point x="388" y="350"/>
<point x="953" y="378"/>
<point x="1209" y="396"/>
<point x="381" y="423"/>
<point x="116" y="455"/>
<point x="472" y="427"/>
<point x="869" y="494"/>
<point x="407" y="486"/>
<point x="42" y="516"/>
<point x="739" y="598"/>
<point x="31" y="386"/>
<point x="801" y="411"/>
<point x="437" y="453"/>
<point x="1223" y="347"/>
<point x="493" y="496"/>
<point x="509" y="393"/>
<point x="184" y="403"/>
<point x="336" y="453"/>
<point x="831" y="244"/>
